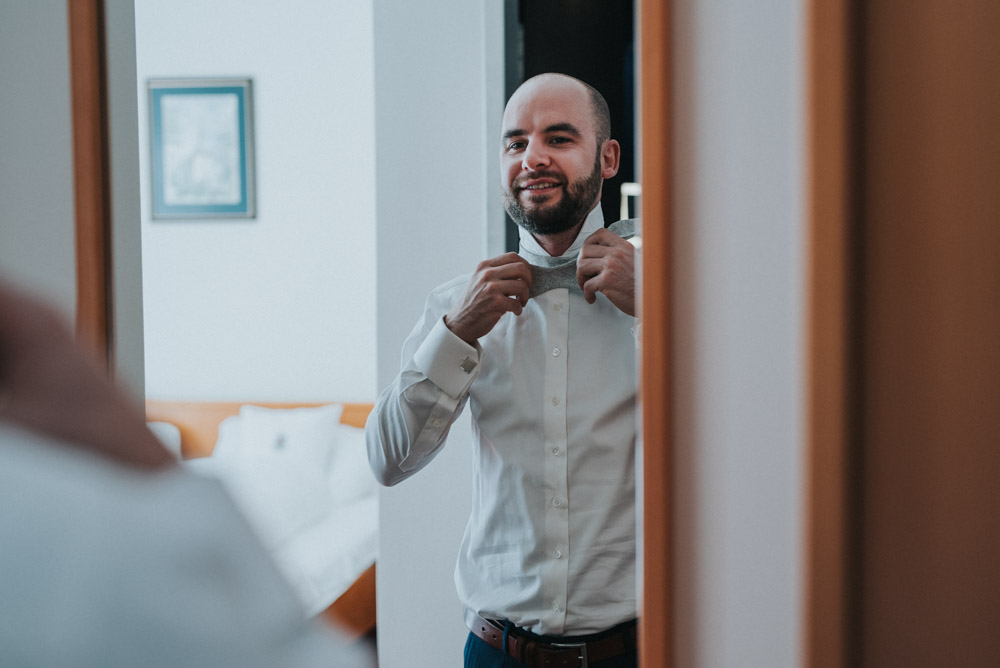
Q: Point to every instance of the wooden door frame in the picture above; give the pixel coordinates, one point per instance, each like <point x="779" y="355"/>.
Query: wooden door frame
<point x="656" y="621"/>
<point x="91" y="176"/>
<point x="827" y="611"/>
<point x="831" y="132"/>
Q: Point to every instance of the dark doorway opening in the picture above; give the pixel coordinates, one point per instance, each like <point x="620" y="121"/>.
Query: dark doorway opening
<point x="592" y="40"/>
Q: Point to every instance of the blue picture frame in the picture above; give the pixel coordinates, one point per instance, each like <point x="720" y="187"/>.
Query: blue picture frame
<point x="201" y="148"/>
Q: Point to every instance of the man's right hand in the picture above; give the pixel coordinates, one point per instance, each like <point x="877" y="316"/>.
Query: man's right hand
<point x="498" y="285"/>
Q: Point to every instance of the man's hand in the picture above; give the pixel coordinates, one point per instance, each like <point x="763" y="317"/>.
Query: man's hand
<point x="498" y="285"/>
<point x="48" y="385"/>
<point x="607" y="265"/>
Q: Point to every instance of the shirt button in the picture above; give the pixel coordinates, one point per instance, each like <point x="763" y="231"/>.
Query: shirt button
<point x="555" y="606"/>
<point x="557" y="554"/>
<point x="555" y="352"/>
<point x="555" y="452"/>
<point x="556" y="502"/>
<point x="436" y="422"/>
<point x="557" y="306"/>
<point x="555" y="401"/>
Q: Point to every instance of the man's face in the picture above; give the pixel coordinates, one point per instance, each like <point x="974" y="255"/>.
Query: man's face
<point x="551" y="166"/>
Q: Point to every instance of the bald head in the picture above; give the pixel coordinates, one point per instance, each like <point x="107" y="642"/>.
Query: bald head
<point x="555" y="154"/>
<point x="564" y="84"/>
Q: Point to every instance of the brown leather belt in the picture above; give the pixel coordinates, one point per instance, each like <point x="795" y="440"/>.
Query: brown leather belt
<point x="539" y="654"/>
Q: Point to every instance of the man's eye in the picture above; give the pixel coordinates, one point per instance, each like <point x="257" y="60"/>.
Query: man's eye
<point x="560" y="140"/>
<point x="515" y="145"/>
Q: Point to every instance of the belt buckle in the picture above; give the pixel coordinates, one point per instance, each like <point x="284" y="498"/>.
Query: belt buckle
<point x="581" y="646"/>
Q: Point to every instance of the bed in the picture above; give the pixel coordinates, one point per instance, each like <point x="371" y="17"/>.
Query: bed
<point x="315" y="511"/>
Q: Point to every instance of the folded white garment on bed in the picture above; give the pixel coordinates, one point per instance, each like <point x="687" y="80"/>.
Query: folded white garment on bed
<point x="322" y="562"/>
<point x="303" y="482"/>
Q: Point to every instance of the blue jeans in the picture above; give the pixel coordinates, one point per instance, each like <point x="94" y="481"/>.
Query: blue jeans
<point x="480" y="654"/>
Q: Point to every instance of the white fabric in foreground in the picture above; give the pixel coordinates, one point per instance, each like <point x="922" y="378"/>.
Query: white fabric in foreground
<point x="105" y="566"/>
<point x="303" y="481"/>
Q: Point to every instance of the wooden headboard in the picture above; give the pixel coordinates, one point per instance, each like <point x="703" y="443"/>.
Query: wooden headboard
<point x="198" y="421"/>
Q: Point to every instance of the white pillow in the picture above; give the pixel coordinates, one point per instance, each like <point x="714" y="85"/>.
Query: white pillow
<point x="229" y="441"/>
<point x="304" y="434"/>
<point x="275" y="464"/>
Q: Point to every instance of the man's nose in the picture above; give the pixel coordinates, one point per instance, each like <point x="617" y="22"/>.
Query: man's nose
<point x="535" y="156"/>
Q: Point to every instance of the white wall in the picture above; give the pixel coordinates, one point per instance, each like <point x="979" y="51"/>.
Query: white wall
<point x="281" y="307"/>
<point x="739" y="319"/>
<point x="36" y="152"/>
<point x="439" y="101"/>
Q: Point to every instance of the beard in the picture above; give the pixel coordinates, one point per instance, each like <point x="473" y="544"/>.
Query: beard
<point x="578" y="199"/>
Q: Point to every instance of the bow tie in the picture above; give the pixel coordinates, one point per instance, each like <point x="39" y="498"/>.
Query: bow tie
<point x="560" y="272"/>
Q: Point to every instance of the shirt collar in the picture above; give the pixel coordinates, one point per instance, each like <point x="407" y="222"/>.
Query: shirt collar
<point x="530" y="248"/>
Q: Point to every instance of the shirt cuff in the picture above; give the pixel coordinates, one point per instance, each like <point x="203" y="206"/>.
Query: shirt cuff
<point x="448" y="361"/>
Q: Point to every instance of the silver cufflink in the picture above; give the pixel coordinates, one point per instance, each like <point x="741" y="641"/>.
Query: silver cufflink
<point x="467" y="365"/>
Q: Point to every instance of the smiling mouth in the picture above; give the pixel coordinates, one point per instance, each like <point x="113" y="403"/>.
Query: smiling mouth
<point x="540" y="187"/>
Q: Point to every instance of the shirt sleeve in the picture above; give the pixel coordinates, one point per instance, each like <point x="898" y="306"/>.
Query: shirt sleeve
<point x="412" y="416"/>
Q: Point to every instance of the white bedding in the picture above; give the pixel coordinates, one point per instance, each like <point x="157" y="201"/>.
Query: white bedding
<point x="303" y="482"/>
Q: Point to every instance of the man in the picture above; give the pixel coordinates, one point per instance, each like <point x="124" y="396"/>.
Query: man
<point x="548" y="369"/>
<point x="111" y="554"/>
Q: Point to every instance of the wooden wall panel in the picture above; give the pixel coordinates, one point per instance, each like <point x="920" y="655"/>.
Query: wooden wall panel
<point x="930" y="531"/>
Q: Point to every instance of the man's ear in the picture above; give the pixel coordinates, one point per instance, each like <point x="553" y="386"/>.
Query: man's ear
<point x="611" y="154"/>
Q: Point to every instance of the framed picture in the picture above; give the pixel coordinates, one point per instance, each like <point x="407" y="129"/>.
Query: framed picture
<point x="201" y="133"/>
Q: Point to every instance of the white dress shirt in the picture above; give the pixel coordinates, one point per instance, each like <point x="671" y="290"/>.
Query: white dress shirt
<point x="550" y="543"/>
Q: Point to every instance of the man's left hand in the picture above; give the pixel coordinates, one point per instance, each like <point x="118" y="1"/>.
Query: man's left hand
<point x="607" y="265"/>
